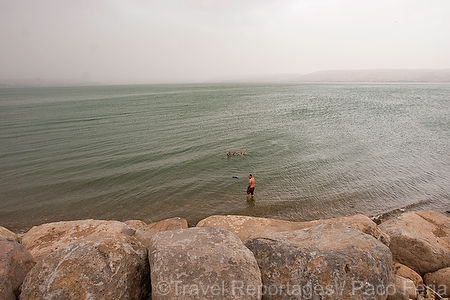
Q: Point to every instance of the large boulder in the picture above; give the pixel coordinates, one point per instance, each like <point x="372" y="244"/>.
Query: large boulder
<point x="420" y="240"/>
<point x="327" y="261"/>
<point x="250" y="227"/>
<point x="15" y="263"/>
<point x="145" y="233"/>
<point x="7" y="234"/>
<point x="97" y="267"/>
<point x="43" y="239"/>
<point x="202" y="263"/>
<point x="439" y="281"/>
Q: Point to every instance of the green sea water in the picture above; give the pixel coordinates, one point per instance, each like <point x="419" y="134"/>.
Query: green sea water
<point x="152" y="152"/>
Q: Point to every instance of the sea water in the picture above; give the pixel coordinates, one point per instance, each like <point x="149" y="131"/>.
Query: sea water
<point x="152" y="152"/>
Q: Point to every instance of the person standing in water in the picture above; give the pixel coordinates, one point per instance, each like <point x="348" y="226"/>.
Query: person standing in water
<point x="251" y="185"/>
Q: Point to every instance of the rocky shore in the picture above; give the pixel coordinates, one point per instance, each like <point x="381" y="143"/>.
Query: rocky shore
<point x="230" y="257"/>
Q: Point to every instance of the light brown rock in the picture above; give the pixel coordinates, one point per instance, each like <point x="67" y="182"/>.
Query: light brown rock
<point x="439" y="281"/>
<point x="145" y="233"/>
<point x="406" y="272"/>
<point x="7" y="234"/>
<point x="97" y="267"/>
<point x="402" y="289"/>
<point x="420" y="240"/>
<point x="15" y="263"/>
<point x="202" y="263"/>
<point x="135" y="224"/>
<point x="328" y="261"/>
<point x="43" y="239"/>
<point x="245" y="227"/>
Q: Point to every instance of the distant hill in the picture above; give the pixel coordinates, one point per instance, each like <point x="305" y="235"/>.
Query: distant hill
<point x="377" y="75"/>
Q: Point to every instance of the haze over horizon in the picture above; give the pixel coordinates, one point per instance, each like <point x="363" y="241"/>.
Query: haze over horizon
<point x="136" y="41"/>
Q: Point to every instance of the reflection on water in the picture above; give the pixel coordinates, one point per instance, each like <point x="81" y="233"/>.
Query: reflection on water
<point x="251" y="202"/>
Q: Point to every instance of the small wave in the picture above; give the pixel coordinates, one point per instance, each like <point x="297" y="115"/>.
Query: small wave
<point x="379" y="218"/>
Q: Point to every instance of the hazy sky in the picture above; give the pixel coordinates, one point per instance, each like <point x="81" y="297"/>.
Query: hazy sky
<point x="137" y="41"/>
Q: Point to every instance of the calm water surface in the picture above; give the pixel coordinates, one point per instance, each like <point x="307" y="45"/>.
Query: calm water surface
<point x="159" y="151"/>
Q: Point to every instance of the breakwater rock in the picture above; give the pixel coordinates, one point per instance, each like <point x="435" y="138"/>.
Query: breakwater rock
<point x="96" y="267"/>
<point x="202" y="263"/>
<point x="250" y="227"/>
<point x="230" y="257"/>
<point x="15" y="263"/>
<point x="327" y="261"/>
<point x="420" y="240"/>
<point x="47" y="238"/>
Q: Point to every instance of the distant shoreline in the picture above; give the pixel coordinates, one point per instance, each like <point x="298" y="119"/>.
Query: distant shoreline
<point x="330" y="76"/>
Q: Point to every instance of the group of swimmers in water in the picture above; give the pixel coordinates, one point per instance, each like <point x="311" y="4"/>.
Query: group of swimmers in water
<point x="229" y="154"/>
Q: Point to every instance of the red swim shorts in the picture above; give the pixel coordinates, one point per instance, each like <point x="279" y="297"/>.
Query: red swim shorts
<point x="250" y="190"/>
